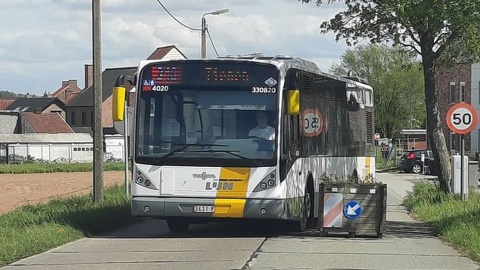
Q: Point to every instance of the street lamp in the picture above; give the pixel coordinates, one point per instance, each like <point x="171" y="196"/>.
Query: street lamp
<point x="204" y="29"/>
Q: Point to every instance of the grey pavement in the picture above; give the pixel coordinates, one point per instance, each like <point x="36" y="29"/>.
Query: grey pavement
<point x="407" y="244"/>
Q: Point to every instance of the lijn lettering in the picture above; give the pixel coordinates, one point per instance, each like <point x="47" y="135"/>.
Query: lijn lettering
<point x="219" y="186"/>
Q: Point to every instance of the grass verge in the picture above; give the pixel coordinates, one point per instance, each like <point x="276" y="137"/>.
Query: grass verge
<point x="457" y="221"/>
<point x="34" y="229"/>
<point x="56" y="167"/>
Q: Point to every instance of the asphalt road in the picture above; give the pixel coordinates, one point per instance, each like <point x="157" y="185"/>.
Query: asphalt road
<point x="407" y="244"/>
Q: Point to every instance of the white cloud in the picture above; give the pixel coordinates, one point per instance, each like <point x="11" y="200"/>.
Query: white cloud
<point x="47" y="41"/>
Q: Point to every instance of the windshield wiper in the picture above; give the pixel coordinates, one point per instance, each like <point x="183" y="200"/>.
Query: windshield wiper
<point x="233" y="153"/>
<point x="185" y="146"/>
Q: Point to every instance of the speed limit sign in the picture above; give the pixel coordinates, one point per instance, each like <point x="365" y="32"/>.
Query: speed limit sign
<point x="462" y="118"/>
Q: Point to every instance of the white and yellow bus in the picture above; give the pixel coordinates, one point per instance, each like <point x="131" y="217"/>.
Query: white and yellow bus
<point x="243" y="138"/>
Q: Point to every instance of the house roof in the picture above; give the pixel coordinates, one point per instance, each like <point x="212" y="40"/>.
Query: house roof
<point x="161" y="52"/>
<point x="47" y="123"/>
<point x="4" y="103"/>
<point x="46" y="138"/>
<point x="109" y="76"/>
<point x="31" y="104"/>
<point x="71" y="86"/>
<point x="83" y="130"/>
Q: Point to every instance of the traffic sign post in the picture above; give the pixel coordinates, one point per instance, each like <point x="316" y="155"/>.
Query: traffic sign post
<point x="352" y="210"/>
<point x="462" y="118"/>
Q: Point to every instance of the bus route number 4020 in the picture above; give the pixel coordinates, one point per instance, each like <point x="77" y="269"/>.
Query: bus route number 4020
<point x="160" y="88"/>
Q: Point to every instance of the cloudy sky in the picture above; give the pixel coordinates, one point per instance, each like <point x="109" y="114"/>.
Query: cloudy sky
<point x="44" y="42"/>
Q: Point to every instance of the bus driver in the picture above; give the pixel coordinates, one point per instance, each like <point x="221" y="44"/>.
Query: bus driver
<point x="263" y="130"/>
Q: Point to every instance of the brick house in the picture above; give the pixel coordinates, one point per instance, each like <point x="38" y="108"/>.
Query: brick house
<point x="79" y="110"/>
<point x="50" y="123"/>
<point x="167" y="53"/>
<point x="4" y="103"/>
<point x="41" y="105"/>
<point x="459" y="83"/>
<point x="67" y="91"/>
<point x="17" y="122"/>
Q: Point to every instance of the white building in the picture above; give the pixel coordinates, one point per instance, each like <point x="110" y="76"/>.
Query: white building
<point x="40" y="147"/>
<point x="475" y="88"/>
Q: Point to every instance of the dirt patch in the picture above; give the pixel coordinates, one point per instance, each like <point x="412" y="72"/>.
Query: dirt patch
<point x="23" y="189"/>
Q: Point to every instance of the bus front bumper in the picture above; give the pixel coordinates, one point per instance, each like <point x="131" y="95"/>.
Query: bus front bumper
<point x="163" y="207"/>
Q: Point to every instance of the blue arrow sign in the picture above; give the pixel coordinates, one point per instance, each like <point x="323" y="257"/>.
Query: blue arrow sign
<point x="352" y="210"/>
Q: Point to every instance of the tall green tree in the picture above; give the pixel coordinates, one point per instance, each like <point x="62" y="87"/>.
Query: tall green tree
<point x="397" y="80"/>
<point x="426" y="27"/>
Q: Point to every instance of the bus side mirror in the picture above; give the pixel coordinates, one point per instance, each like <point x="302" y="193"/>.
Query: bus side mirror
<point x="118" y="103"/>
<point x="352" y="104"/>
<point x="293" y="102"/>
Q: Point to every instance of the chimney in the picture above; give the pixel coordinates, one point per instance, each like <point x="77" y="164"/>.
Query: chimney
<point x="72" y="89"/>
<point x="88" y="75"/>
<point x="72" y="83"/>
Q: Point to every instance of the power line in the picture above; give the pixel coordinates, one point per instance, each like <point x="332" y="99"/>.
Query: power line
<point x="168" y="12"/>
<point x="186" y="26"/>
<point x="211" y="41"/>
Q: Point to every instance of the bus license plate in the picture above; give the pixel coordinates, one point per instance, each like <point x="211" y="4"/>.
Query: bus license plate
<point x="204" y="209"/>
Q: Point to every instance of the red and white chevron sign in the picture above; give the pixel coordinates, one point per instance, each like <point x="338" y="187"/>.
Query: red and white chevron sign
<point x="332" y="210"/>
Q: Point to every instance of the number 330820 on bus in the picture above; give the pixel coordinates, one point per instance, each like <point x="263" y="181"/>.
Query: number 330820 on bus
<point x="264" y="90"/>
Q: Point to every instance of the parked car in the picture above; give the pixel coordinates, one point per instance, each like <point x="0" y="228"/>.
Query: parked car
<point x="411" y="161"/>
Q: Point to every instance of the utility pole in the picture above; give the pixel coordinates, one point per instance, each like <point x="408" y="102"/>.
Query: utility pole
<point x="204" y="42"/>
<point x="97" y="104"/>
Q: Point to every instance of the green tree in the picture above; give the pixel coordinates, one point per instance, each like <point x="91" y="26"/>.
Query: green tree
<point x="397" y="80"/>
<point x="426" y="27"/>
<point x="7" y="94"/>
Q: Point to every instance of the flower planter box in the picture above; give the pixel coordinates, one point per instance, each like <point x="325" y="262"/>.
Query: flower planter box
<point x="356" y="209"/>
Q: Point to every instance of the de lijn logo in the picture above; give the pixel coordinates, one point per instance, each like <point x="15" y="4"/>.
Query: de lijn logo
<point x="352" y="210"/>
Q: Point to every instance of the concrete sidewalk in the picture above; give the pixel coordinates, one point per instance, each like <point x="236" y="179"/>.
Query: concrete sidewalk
<point x="407" y="244"/>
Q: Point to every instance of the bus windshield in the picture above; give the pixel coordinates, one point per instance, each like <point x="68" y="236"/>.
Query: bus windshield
<point x="193" y="114"/>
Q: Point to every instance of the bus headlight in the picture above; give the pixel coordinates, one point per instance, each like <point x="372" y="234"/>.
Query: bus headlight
<point x="267" y="183"/>
<point x="142" y="180"/>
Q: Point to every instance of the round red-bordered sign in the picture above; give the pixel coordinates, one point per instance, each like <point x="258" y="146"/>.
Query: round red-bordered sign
<point x="462" y="118"/>
<point x="312" y="122"/>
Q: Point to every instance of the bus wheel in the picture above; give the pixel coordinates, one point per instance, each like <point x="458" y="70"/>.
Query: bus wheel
<point x="177" y="225"/>
<point x="301" y="225"/>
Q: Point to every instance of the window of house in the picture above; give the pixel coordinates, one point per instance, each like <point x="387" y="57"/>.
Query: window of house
<point x="462" y="91"/>
<point x="72" y="120"/>
<point x="452" y="92"/>
<point x="91" y="119"/>
<point x="84" y="118"/>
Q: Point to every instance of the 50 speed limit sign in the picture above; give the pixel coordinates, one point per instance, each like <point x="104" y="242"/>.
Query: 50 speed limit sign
<point x="462" y="118"/>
